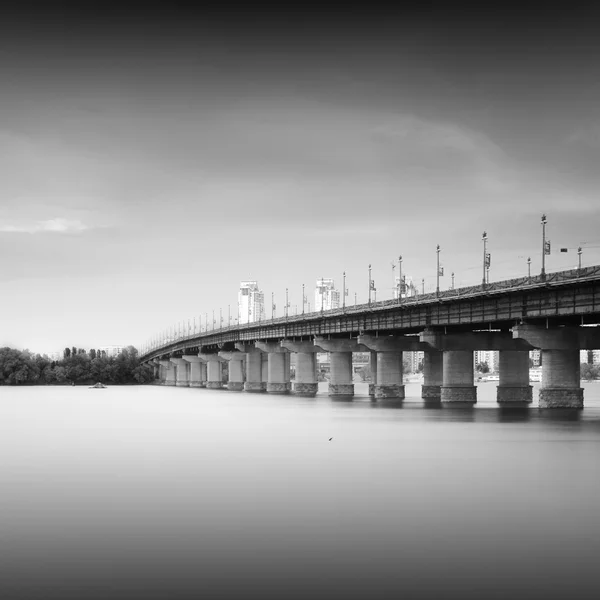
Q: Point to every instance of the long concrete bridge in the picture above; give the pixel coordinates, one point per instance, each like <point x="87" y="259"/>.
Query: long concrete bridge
<point x="557" y="313"/>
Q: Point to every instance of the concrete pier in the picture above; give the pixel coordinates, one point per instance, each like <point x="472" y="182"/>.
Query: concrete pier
<point x="340" y="363"/>
<point x="168" y="369"/>
<point x="278" y="367"/>
<point x="561" y="379"/>
<point x="197" y="376"/>
<point x="373" y="365"/>
<point x="389" y="376"/>
<point x="457" y="377"/>
<point x="561" y="370"/>
<point x="214" y="371"/>
<point x="432" y="375"/>
<point x="181" y="372"/>
<point x="389" y="369"/>
<point x="514" y="377"/>
<point x="305" y="383"/>
<point x="340" y="374"/>
<point x="254" y="370"/>
<point x="236" y="369"/>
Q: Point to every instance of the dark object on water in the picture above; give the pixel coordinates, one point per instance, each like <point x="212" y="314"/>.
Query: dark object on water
<point x="330" y="438"/>
<point x="98" y="386"/>
<point x="72" y="383"/>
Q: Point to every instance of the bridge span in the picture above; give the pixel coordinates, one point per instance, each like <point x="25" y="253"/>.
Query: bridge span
<point x="557" y="313"/>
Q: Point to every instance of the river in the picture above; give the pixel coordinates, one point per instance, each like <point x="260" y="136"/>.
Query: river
<point x="158" y="492"/>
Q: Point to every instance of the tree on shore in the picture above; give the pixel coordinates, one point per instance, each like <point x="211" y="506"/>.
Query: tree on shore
<point x="23" y="368"/>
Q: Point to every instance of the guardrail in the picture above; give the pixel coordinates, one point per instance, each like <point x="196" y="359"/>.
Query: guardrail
<point x="521" y="283"/>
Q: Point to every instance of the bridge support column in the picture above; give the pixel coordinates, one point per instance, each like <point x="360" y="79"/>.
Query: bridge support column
<point x="389" y="376"/>
<point x="340" y="359"/>
<point x="278" y="367"/>
<point x="514" y="377"/>
<point x="306" y="383"/>
<point x="155" y="364"/>
<point x="236" y="369"/>
<point x="432" y="375"/>
<point x="373" y="365"/>
<point x="254" y="357"/>
<point x="458" y="382"/>
<point x="168" y="370"/>
<point x="181" y="372"/>
<point x="197" y="371"/>
<point x="340" y="374"/>
<point x="214" y="372"/>
<point x="561" y="379"/>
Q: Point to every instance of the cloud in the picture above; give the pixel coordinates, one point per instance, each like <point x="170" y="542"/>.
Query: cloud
<point x="57" y="225"/>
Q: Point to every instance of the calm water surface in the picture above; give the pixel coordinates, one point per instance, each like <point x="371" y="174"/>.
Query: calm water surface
<point x="157" y="492"/>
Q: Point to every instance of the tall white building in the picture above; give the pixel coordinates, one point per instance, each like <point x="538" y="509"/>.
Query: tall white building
<point x="326" y="296"/>
<point x="251" y="302"/>
<point x="491" y="357"/>
<point x="408" y="288"/>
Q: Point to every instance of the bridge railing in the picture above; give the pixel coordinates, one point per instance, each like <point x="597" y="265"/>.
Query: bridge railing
<point x="431" y="297"/>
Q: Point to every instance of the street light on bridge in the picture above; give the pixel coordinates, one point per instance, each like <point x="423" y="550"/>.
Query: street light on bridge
<point x="440" y="271"/>
<point x="484" y="238"/>
<point x="303" y="299"/>
<point x="399" y="279"/>
<point x="545" y="247"/>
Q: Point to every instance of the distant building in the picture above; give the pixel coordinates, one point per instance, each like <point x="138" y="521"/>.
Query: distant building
<point x="251" y="302"/>
<point x="491" y="357"/>
<point x="407" y="290"/>
<point x="326" y="296"/>
<point x="111" y="350"/>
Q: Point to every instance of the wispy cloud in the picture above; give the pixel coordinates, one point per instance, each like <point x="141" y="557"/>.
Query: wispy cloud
<point x="58" y="225"/>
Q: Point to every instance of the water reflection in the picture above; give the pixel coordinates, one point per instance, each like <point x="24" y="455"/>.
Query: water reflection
<point x="154" y="492"/>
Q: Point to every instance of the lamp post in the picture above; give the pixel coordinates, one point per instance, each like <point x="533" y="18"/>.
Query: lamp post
<point x="213" y="320"/>
<point x="423" y="286"/>
<point x="220" y="318"/>
<point x="286" y="303"/>
<point x="354" y="298"/>
<point x="484" y="238"/>
<point x="322" y="294"/>
<point x="452" y="279"/>
<point x="543" y="273"/>
<point x="579" y="251"/>
<point x="303" y="299"/>
<point x="369" y="285"/>
<point x="437" y="287"/>
<point x="229" y="315"/>
<point x="344" y="290"/>
<point x="272" y="305"/>
<point x="399" y="279"/>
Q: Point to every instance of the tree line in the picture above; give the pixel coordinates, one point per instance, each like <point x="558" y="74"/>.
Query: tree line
<point x="22" y="367"/>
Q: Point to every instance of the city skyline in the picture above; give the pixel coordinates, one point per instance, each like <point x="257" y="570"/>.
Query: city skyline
<point x="150" y="166"/>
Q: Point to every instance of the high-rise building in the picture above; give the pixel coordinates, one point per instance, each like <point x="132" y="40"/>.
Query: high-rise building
<point x="408" y="288"/>
<point x="111" y="350"/>
<point x="326" y="296"/>
<point x="251" y="302"/>
<point x="491" y="357"/>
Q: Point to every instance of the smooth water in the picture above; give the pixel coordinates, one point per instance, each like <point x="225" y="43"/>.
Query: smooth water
<point x="160" y="492"/>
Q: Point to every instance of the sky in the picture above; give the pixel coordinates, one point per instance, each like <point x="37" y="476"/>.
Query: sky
<point x="154" y="155"/>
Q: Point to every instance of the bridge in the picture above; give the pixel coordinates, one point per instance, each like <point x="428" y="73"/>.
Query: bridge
<point x="557" y="313"/>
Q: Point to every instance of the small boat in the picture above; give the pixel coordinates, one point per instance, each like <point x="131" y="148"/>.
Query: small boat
<point x="98" y="386"/>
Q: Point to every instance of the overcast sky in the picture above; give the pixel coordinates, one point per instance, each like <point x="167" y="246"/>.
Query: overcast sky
<point x="153" y="158"/>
